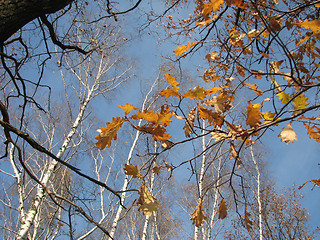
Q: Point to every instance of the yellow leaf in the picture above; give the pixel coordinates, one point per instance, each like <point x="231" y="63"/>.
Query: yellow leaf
<point x="182" y="49"/>
<point x="147" y="202"/>
<point x="132" y="170"/>
<point x="198" y="216"/>
<point x="196" y="93"/>
<point x="108" y="133"/>
<point x="222" y="209"/>
<point x="127" y="108"/>
<point x="314" y="25"/>
<point x="268" y="116"/>
<point x="172" y="81"/>
<point x="253" y="115"/>
<point x="283" y="97"/>
<point x="287" y="134"/>
<point x="300" y="102"/>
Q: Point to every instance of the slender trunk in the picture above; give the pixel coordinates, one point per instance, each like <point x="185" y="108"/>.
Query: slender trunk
<point x="258" y="194"/>
<point x="126" y="178"/>
<point x="147" y="218"/>
<point x="30" y="216"/>
<point x="200" y="181"/>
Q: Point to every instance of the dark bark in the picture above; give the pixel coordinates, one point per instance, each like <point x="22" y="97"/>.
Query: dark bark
<point x="14" y="14"/>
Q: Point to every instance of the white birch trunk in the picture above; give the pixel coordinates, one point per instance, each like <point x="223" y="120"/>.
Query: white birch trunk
<point x="30" y="216"/>
<point x="200" y="183"/>
<point x="126" y="178"/>
<point x="258" y="195"/>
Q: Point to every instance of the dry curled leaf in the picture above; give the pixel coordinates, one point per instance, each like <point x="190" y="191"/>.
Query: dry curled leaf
<point x="132" y="170"/>
<point x="222" y="209"/>
<point x="148" y="203"/>
<point x="198" y="216"/>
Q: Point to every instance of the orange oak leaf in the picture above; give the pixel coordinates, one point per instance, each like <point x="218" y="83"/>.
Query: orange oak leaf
<point x="253" y="115"/>
<point x="213" y="118"/>
<point x="132" y="170"/>
<point x="127" y="108"/>
<point x="158" y="132"/>
<point x="198" y="216"/>
<point x="183" y="48"/>
<point x="254" y="88"/>
<point x="164" y="117"/>
<point x="223" y="210"/>
<point x="211" y="6"/>
<point x="170" y="92"/>
<point x="108" y="133"/>
<point x="287" y="134"/>
<point x="172" y="81"/>
<point x="314" y="132"/>
<point x="148" y="203"/>
<point x="196" y="93"/>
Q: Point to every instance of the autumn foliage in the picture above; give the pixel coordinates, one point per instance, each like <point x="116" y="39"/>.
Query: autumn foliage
<point x="247" y="54"/>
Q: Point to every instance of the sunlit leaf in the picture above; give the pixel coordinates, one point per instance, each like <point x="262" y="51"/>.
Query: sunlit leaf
<point x="253" y="115"/>
<point x="254" y="88"/>
<point x="109" y="133"/>
<point x="196" y="93"/>
<point x="127" y="108"/>
<point x="287" y="134"/>
<point x="211" y="6"/>
<point x="172" y="81"/>
<point x="314" y="25"/>
<point x="170" y="92"/>
<point x="300" y="102"/>
<point x="183" y="48"/>
<point x="283" y="97"/>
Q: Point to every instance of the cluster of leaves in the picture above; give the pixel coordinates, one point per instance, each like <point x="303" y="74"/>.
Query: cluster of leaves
<point x="243" y="58"/>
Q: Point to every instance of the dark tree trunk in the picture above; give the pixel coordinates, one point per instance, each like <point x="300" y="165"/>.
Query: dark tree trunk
<point x="14" y="14"/>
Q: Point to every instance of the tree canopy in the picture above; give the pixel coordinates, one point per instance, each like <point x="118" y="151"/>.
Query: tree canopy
<point x="234" y="71"/>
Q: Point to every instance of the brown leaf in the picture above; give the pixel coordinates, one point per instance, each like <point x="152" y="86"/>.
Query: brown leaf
<point x="222" y="209"/>
<point x="108" y="133"/>
<point x="156" y="169"/>
<point x="247" y="222"/>
<point x="189" y="122"/>
<point x="132" y="170"/>
<point x="198" y="216"/>
<point x="147" y="202"/>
